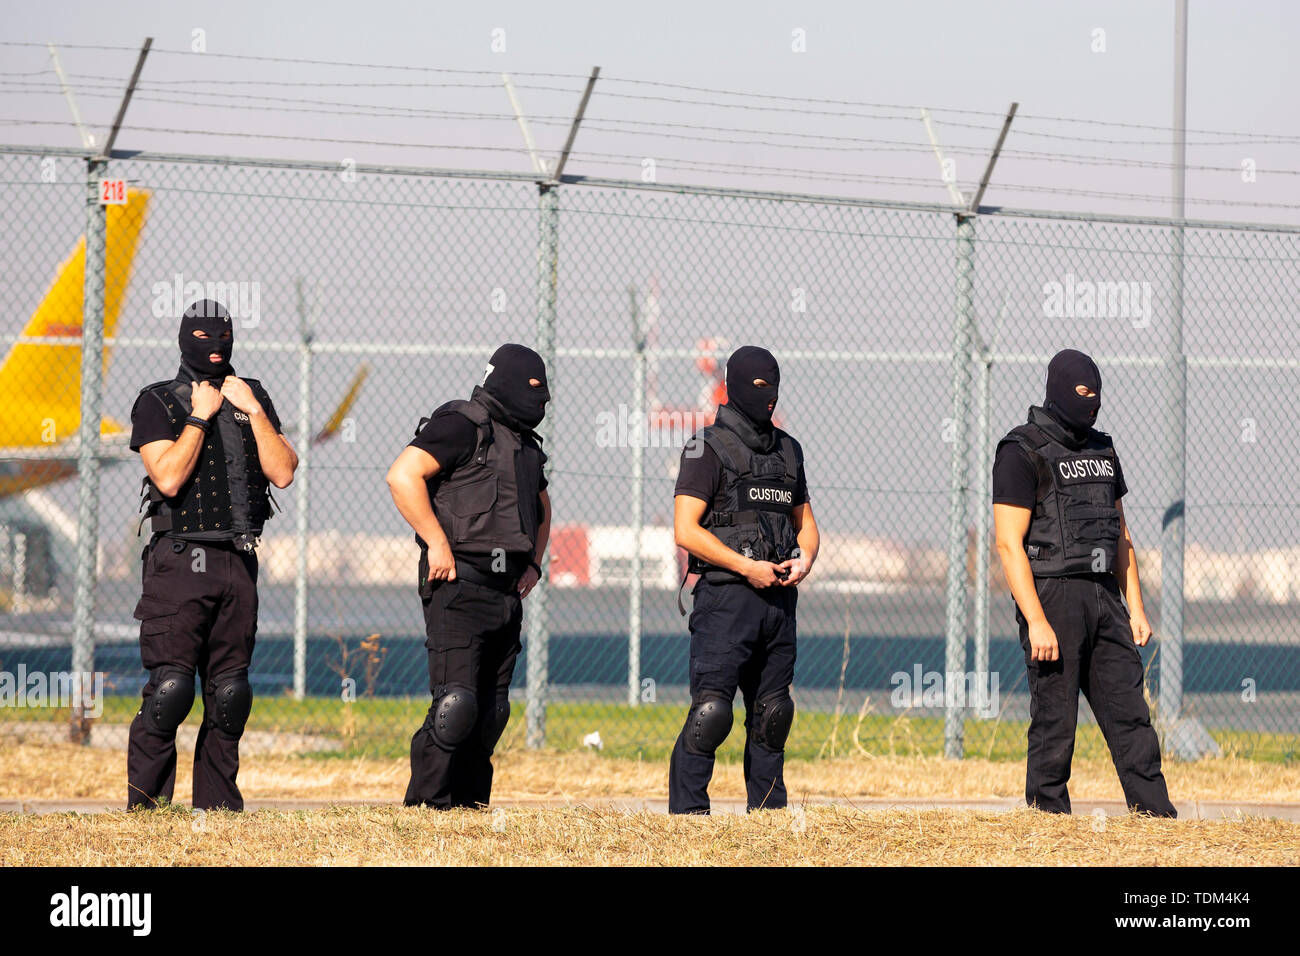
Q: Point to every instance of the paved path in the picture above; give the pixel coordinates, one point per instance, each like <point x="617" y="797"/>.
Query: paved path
<point x="1190" y="810"/>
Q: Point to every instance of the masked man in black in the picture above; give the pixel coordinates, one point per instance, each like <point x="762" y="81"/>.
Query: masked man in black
<point x="210" y="443"/>
<point x="1070" y="563"/>
<point x="471" y="486"/>
<point x="741" y="512"/>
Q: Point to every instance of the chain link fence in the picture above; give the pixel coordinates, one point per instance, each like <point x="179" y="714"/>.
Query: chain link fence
<point x="365" y="297"/>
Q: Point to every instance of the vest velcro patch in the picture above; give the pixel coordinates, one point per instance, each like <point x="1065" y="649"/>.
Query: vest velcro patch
<point x="1080" y="469"/>
<point x="766" y="496"/>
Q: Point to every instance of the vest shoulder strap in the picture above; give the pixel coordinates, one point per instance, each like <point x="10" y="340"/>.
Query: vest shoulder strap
<point x="161" y="389"/>
<point x="789" y="458"/>
<point x="477" y="414"/>
<point x="1031" y="438"/>
<point x="259" y="390"/>
<point x="731" y="451"/>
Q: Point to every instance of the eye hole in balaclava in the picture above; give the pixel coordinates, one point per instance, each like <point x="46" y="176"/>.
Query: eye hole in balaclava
<point x="1068" y="370"/>
<point x="507" y="379"/>
<point x="756" y="402"/>
<point x="210" y="317"/>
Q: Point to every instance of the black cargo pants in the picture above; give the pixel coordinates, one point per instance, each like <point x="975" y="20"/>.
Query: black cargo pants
<point x="198" y="614"/>
<point x="741" y="637"/>
<point x="473" y="641"/>
<point x="1097" y="656"/>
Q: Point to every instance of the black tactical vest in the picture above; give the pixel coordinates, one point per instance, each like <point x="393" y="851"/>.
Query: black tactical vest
<point x="489" y="502"/>
<point x="758" y="487"/>
<point x="1075" y="526"/>
<point x="227" y="497"/>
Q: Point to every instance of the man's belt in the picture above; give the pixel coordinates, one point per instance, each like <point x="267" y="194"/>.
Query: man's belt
<point x="497" y="582"/>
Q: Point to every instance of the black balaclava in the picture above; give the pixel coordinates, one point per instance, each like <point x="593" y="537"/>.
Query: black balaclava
<point x="506" y="380"/>
<point x="1068" y="369"/>
<point x="211" y="317"/>
<point x="746" y="364"/>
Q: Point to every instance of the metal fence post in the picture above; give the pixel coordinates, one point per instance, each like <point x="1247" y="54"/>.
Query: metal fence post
<point x="955" y="628"/>
<point x="636" y="434"/>
<point x="92" y="374"/>
<point x="302" y="502"/>
<point x="983" y="495"/>
<point x="1185" y="737"/>
<point x="538" y="622"/>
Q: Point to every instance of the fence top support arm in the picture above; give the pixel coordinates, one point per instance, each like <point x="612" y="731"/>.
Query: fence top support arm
<point x="126" y="98"/>
<point x="573" y="128"/>
<point x="974" y="207"/>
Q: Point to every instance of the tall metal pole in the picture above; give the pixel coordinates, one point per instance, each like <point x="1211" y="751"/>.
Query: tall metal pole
<point x="301" y="498"/>
<point x="955" y="626"/>
<point x="636" y="434"/>
<point x="548" y="264"/>
<point x="1175" y="417"/>
<point x="92" y="376"/>
<point x="983" y="495"/>
<point x="92" y="383"/>
<point x="548" y="246"/>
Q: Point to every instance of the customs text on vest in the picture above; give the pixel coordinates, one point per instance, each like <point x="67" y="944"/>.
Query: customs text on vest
<point x="759" y="480"/>
<point x="491" y="501"/>
<point x="227" y="497"/>
<point x="1075" y="526"/>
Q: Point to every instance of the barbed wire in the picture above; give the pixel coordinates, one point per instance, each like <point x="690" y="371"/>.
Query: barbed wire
<point x="658" y="129"/>
<point x="239" y="95"/>
<point x="1018" y="131"/>
<point x="606" y="79"/>
<point x="721" y="167"/>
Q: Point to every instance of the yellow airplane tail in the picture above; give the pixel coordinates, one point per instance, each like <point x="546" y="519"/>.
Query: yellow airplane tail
<point x="40" y="384"/>
<point x="335" y="422"/>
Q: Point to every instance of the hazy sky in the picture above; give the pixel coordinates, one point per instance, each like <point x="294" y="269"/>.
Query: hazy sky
<point x="886" y="275"/>
<point x="949" y="56"/>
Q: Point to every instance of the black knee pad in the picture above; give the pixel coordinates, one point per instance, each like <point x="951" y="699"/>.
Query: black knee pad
<point x="229" y="700"/>
<point x="172" y="699"/>
<point x="455" y="715"/>
<point x="494" y="724"/>
<point x="773" y="717"/>
<point x="707" y="725"/>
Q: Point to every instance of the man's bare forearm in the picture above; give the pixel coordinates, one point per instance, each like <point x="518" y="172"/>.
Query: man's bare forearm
<point x="1126" y="570"/>
<point x="279" y="461"/>
<point x="175" y="465"/>
<point x="543" y="532"/>
<point x="411" y="495"/>
<point x="704" y="545"/>
<point x="810" y="542"/>
<point x="1020" y="578"/>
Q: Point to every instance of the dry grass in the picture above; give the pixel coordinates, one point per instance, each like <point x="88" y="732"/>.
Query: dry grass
<point x="62" y="771"/>
<point x="820" y="836"/>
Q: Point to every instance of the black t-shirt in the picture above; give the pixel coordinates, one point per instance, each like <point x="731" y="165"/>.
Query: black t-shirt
<point x="150" y="420"/>
<point x="1015" y="477"/>
<point x="451" y="439"/>
<point x="700" y="476"/>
